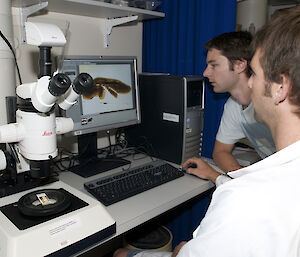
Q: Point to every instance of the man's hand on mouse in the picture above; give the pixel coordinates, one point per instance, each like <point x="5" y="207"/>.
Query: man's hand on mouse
<point x="201" y="169"/>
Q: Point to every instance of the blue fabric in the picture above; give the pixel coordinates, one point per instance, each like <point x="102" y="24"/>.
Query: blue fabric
<point x="175" y="45"/>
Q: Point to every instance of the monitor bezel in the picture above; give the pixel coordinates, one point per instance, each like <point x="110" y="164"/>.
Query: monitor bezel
<point x="75" y="112"/>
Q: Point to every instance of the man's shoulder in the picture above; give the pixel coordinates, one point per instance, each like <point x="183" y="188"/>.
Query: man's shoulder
<point x="231" y="102"/>
<point x="232" y="109"/>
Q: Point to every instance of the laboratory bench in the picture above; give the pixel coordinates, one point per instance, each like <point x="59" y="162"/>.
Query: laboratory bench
<point x="143" y="207"/>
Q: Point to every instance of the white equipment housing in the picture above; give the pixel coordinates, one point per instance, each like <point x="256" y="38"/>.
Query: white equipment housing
<point x="44" y="34"/>
<point x="3" y="162"/>
<point x="55" y="234"/>
<point x="36" y="134"/>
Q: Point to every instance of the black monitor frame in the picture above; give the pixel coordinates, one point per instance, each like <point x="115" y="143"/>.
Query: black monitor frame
<point x="86" y="125"/>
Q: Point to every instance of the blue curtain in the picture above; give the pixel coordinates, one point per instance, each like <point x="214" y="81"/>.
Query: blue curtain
<point x="174" y="45"/>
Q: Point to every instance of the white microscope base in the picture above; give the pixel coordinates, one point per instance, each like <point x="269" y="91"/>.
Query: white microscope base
<point x="75" y="230"/>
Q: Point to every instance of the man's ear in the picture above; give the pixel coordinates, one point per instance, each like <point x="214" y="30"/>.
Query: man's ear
<point x="240" y="65"/>
<point x="281" y="90"/>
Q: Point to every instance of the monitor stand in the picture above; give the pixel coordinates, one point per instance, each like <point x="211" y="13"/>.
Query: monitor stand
<point x="89" y="162"/>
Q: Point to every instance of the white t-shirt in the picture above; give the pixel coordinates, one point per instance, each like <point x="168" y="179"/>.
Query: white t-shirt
<point x="255" y="214"/>
<point x="237" y="123"/>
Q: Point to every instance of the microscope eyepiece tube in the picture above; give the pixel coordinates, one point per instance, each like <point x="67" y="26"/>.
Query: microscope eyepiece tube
<point x="47" y="90"/>
<point x="59" y="84"/>
<point x="82" y="83"/>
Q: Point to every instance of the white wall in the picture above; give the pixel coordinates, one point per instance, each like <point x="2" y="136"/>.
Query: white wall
<point x="85" y="37"/>
<point x="251" y="14"/>
<point x="7" y="64"/>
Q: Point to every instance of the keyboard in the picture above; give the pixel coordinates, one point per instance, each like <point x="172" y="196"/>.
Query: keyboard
<point x="122" y="185"/>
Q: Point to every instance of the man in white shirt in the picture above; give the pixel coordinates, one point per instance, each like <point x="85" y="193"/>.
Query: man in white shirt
<point x="227" y="69"/>
<point x="257" y="213"/>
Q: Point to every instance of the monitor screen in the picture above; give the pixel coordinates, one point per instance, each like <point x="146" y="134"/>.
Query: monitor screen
<point x="113" y="102"/>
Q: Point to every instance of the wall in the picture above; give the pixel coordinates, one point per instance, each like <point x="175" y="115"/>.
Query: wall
<point x="273" y="8"/>
<point x="85" y="37"/>
<point x="251" y="14"/>
<point x="7" y="64"/>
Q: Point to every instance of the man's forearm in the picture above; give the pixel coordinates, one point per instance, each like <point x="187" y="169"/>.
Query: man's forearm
<point x="226" y="161"/>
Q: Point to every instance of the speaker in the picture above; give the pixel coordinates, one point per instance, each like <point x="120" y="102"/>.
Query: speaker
<point x="172" y="109"/>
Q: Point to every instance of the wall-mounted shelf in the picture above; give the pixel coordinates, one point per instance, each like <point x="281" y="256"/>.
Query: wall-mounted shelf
<point x="114" y="14"/>
<point x="92" y="8"/>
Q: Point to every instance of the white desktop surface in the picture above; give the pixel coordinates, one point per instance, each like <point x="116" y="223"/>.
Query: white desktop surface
<point x="140" y="208"/>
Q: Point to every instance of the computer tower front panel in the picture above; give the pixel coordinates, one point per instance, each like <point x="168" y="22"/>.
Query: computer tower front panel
<point x="193" y="132"/>
<point x="171" y="128"/>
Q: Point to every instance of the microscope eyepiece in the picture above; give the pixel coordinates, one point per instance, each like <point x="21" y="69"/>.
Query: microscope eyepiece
<point x="82" y="83"/>
<point x="59" y="84"/>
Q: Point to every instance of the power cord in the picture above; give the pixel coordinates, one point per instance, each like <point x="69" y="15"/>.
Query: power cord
<point x="13" y="52"/>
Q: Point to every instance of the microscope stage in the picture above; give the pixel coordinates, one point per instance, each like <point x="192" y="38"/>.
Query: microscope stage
<point x="85" y="223"/>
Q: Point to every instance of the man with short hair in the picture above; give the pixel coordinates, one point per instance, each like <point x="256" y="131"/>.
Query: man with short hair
<point x="256" y="213"/>
<point x="227" y="69"/>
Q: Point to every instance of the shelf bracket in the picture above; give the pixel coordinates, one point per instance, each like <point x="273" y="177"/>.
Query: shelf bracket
<point x="25" y="12"/>
<point x="110" y="23"/>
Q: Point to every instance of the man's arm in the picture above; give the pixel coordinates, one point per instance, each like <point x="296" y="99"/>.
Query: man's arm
<point x="223" y="157"/>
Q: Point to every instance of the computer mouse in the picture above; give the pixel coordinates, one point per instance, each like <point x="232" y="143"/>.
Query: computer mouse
<point x="191" y="165"/>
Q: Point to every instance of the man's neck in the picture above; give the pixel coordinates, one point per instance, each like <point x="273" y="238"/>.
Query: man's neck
<point x="286" y="131"/>
<point x="241" y="92"/>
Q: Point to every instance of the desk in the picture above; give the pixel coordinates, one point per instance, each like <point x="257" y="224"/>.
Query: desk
<point x="140" y="208"/>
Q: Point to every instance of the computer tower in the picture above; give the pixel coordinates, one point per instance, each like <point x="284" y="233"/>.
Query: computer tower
<point x="172" y="109"/>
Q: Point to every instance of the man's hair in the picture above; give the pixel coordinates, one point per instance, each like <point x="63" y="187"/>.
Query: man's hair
<point x="234" y="46"/>
<point x="279" y="42"/>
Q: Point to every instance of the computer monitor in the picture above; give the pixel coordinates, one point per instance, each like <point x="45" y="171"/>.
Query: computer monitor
<point x="112" y="103"/>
